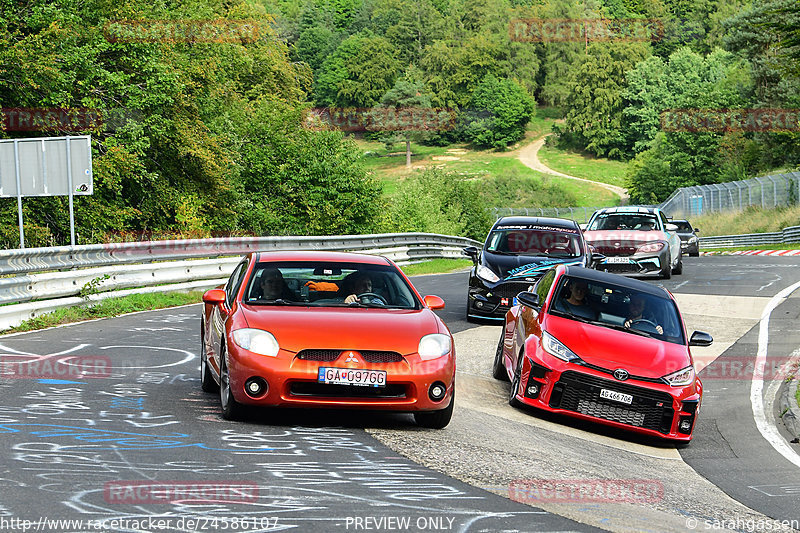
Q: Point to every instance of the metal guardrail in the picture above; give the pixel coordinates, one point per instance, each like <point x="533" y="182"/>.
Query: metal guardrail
<point x="94" y="255"/>
<point x="100" y="271"/>
<point x="786" y="236"/>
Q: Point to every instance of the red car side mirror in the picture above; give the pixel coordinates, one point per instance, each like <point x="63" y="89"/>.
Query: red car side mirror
<point x="214" y="296"/>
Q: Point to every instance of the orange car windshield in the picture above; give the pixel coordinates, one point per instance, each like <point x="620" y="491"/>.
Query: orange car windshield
<point x="329" y="285"/>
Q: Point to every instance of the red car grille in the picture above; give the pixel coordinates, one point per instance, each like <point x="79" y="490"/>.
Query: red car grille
<point x="369" y="356"/>
<point x="580" y="393"/>
<point x="325" y="390"/>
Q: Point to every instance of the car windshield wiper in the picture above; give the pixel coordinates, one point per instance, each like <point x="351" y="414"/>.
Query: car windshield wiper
<point x="499" y="252"/>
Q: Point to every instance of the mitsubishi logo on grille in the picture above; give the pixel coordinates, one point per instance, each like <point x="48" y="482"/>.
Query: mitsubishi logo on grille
<point x="621" y="374"/>
<point x="351" y="358"/>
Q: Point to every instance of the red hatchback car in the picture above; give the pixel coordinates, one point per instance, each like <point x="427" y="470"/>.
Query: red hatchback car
<point x="602" y="347"/>
<point x="326" y="329"/>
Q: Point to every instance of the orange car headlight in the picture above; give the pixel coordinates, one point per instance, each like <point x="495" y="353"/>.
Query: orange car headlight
<point x="257" y="341"/>
<point x="433" y="346"/>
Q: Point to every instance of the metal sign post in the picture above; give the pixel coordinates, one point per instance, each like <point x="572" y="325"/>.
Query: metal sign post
<point x="46" y="166"/>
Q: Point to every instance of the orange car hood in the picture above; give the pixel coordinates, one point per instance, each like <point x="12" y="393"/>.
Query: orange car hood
<point x="297" y="328"/>
<point x="612" y="349"/>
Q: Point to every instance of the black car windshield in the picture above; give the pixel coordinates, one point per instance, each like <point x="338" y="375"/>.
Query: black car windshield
<point x="535" y="240"/>
<point x="624" y="221"/>
<point x="683" y="227"/>
<point x="616" y="307"/>
<point x="320" y="284"/>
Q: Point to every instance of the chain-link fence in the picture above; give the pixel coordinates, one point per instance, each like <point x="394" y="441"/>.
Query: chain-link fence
<point x="767" y="191"/>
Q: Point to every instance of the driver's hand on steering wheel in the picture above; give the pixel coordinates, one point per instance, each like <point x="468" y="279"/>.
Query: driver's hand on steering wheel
<point x="659" y="329"/>
<point x="351" y="299"/>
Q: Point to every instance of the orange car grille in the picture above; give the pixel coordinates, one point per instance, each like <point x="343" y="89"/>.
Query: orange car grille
<point x="580" y="393"/>
<point x="303" y="388"/>
<point x="369" y="356"/>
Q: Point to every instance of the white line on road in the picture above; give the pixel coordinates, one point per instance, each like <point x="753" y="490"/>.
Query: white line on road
<point x="767" y="430"/>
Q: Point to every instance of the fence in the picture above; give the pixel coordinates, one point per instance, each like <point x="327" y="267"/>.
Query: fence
<point x="95" y="272"/>
<point x="767" y="192"/>
<point x="786" y="236"/>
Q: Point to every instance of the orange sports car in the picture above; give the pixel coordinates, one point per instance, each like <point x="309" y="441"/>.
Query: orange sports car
<point x="326" y="329"/>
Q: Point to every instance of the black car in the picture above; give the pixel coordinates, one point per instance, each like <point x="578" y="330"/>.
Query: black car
<point x="690" y="243"/>
<point x="517" y="252"/>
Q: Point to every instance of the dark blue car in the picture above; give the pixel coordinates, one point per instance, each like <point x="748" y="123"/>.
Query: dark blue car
<point x="517" y="252"/>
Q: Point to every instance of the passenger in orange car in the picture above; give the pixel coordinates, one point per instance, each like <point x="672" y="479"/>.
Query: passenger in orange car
<point x="273" y="286"/>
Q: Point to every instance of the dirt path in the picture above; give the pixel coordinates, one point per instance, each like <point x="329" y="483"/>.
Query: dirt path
<point x="529" y="156"/>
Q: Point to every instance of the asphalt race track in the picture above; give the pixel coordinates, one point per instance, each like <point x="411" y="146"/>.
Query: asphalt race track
<point x="139" y="447"/>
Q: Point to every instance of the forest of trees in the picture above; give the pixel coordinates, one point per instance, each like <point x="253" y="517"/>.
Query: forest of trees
<point x="212" y="138"/>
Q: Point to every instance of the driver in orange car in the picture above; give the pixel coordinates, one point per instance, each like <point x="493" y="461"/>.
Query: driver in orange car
<point x="636" y="308"/>
<point x="357" y="284"/>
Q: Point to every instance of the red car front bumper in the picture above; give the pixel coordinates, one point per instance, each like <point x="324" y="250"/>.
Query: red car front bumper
<point x="655" y="409"/>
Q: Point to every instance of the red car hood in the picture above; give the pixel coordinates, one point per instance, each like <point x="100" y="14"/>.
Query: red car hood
<point x="624" y="236"/>
<point x="297" y="328"/>
<point x="612" y="349"/>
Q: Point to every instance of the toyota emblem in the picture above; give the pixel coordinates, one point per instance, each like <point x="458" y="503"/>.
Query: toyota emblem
<point x="621" y="374"/>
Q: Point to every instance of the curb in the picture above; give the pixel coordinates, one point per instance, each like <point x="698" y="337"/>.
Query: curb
<point x="756" y="252"/>
<point x="788" y="406"/>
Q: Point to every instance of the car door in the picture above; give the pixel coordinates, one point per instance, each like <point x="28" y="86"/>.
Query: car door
<point x="220" y="313"/>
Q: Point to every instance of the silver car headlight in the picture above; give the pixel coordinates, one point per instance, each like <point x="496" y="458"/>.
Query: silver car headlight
<point x="486" y="273"/>
<point x="557" y="349"/>
<point x="681" y="378"/>
<point x="434" y="346"/>
<point x="256" y="341"/>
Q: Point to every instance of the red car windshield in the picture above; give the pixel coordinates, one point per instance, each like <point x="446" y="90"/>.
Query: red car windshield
<point x="616" y="307"/>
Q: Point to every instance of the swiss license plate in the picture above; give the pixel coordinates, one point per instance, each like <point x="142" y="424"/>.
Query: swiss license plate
<point x="352" y="376"/>
<point x="622" y="260"/>
<point x="616" y="396"/>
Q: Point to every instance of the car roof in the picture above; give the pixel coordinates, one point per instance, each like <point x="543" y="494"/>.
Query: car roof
<point x="543" y="221"/>
<point x="630" y="209"/>
<point x="591" y="274"/>
<point x="320" y="255"/>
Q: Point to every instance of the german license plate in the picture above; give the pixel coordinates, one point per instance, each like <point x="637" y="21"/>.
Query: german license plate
<point x="618" y="260"/>
<point x="352" y="376"/>
<point x="616" y="396"/>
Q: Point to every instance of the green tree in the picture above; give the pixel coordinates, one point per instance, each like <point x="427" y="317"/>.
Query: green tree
<point x="509" y="108"/>
<point x="358" y="73"/>
<point x="410" y="95"/>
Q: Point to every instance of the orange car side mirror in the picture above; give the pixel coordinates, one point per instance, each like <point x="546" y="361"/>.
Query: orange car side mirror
<point x="433" y="302"/>
<point x="214" y="296"/>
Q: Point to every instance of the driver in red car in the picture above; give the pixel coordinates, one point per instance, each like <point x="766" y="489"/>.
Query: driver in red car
<point x="636" y="311"/>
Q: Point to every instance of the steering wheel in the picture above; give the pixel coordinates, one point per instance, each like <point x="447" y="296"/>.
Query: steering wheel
<point x="373" y="295"/>
<point x="645" y="321"/>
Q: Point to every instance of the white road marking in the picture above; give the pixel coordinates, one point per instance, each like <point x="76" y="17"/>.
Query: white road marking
<point x="767" y="429"/>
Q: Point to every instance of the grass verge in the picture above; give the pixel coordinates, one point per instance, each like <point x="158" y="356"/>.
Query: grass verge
<point x="109" y="308"/>
<point x="583" y="166"/>
<point x="436" y="266"/>
<point x="751" y="220"/>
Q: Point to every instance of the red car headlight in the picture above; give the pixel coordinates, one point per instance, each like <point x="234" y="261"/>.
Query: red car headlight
<point x="257" y="341"/>
<point x="557" y="349"/>
<point x="681" y="378"/>
<point x="651" y="247"/>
